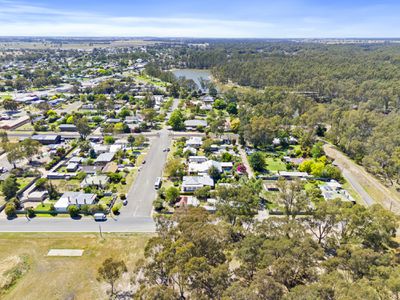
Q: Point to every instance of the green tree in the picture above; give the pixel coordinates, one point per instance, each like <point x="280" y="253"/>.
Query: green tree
<point x="82" y="125"/>
<point x="30" y="148"/>
<point x="176" y="120"/>
<point x="110" y="271"/>
<point x="257" y="161"/>
<point x="10" y="187"/>
<point x="10" y="104"/>
<point x="214" y="173"/>
<point x="171" y="195"/>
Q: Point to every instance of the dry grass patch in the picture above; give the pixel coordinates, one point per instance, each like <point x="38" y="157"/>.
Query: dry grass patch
<point x="66" y="277"/>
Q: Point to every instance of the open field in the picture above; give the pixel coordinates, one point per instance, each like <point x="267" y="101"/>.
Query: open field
<point x="87" y="45"/>
<point x="64" y="277"/>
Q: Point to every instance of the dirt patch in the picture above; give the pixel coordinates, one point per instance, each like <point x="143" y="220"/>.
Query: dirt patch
<point x="12" y="269"/>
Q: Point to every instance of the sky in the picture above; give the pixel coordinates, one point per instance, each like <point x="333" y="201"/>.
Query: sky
<point x="201" y="18"/>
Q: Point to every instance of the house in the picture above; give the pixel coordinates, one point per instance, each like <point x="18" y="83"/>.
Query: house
<point x="208" y="100"/>
<point x="104" y="158"/>
<point x="74" y="198"/>
<point x="111" y="167"/>
<point x="291" y="175"/>
<point x="115" y="148"/>
<point x="194" y="142"/>
<point x="68" y="128"/>
<point x="14" y="123"/>
<point x="193" y="183"/>
<point x="113" y="120"/>
<point x="194" y="124"/>
<point x="38" y="196"/>
<point x="95" y="180"/>
<point x="47" y="139"/>
<point x="99" y="149"/>
<point x="75" y="160"/>
<point x="226" y="166"/>
<point x="203" y="167"/>
<point x="197" y="159"/>
<point x="72" y="167"/>
<point x="91" y="169"/>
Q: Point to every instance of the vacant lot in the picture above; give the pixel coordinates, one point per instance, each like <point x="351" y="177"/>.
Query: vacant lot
<point x="64" y="277"/>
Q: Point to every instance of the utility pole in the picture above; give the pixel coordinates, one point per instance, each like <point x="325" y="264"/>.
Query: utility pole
<point x="101" y="234"/>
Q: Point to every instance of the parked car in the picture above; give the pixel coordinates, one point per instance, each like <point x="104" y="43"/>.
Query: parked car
<point x="99" y="217"/>
<point x="125" y="202"/>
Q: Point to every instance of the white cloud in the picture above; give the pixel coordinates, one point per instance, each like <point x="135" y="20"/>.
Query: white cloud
<point x="21" y="19"/>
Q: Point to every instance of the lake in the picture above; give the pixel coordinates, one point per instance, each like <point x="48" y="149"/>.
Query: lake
<point x="194" y="74"/>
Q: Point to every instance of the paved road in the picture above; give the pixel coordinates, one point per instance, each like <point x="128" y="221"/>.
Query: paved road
<point x="87" y="224"/>
<point x="142" y="194"/>
<point x="357" y="187"/>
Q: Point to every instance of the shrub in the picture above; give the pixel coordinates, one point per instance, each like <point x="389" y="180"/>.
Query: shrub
<point x="31" y="212"/>
<point x="122" y="196"/>
<point x="10" y="209"/>
<point x="73" y="210"/>
<point x="115" y="209"/>
<point x="158" y="204"/>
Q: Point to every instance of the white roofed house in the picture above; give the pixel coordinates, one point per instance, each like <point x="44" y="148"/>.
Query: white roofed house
<point x="194" y="142"/>
<point x="95" y="180"/>
<point x="193" y="183"/>
<point x="74" y="198"/>
<point x="203" y="167"/>
<point x="194" y="124"/>
<point x="104" y="158"/>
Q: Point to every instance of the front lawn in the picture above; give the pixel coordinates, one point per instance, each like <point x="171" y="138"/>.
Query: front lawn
<point x="275" y="164"/>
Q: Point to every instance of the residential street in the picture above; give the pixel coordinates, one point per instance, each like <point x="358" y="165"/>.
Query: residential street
<point x="142" y="193"/>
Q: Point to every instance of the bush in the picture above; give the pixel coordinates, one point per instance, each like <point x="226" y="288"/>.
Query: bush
<point x="123" y="181"/>
<point x="158" y="204"/>
<point x="122" y="196"/>
<point x="73" y="210"/>
<point x="31" y="212"/>
<point x="10" y="209"/>
<point x="115" y="209"/>
<point x="41" y="183"/>
<point x="80" y="176"/>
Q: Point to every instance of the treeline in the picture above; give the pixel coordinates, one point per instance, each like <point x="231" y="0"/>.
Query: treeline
<point x="337" y="252"/>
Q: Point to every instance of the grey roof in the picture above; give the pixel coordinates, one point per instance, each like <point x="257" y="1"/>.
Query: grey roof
<point x="45" y="137"/>
<point x="67" y="126"/>
<point x="195" y="123"/>
<point x="105" y="157"/>
<point x="79" y="198"/>
<point x="197" y="180"/>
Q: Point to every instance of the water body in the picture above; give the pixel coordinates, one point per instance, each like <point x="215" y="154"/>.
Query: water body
<point x="194" y="74"/>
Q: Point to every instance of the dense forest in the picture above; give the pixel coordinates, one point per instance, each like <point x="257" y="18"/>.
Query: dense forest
<point x="352" y="90"/>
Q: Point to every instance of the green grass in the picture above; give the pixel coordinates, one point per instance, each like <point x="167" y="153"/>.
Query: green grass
<point x="24" y="181"/>
<point x="275" y="164"/>
<point x="105" y="200"/>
